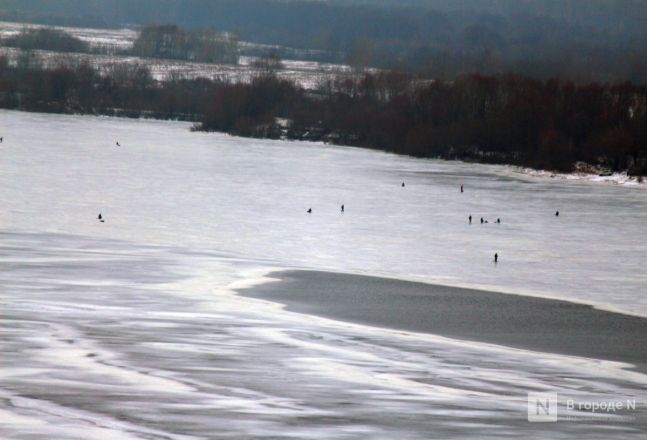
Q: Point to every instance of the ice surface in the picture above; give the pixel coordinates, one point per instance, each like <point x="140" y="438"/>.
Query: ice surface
<point x="249" y="198"/>
<point x="130" y="328"/>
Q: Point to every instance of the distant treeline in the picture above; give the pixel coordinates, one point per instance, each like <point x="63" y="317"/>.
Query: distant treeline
<point x="169" y="41"/>
<point x="581" y="40"/>
<point x="499" y="119"/>
<point x="154" y="41"/>
<point x="46" y="39"/>
<point x="503" y="119"/>
<point x="120" y="89"/>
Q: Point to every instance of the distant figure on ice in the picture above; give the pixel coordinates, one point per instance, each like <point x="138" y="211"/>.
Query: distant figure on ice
<point x="99" y="217"/>
<point x="557" y="214"/>
<point x="482" y="221"/>
<point x="310" y="211"/>
<point x="118" y="144"/>
<point x="470" y="217"/>
<point x="1" y="139"/>
<point x="498" y="220"/>
<point x="496" y="258"/>
<point x="461" y="188"/>
<point x="402" y="184"/>
<point x="342" y="208"/>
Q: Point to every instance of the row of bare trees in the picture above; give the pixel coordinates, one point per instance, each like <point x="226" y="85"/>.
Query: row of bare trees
<point x="505" y="119"/>
<point x="154" y="41"/>
<point x="171" y="42"/>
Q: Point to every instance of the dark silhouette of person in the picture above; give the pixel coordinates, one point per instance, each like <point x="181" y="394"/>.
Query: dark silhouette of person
<point x="99" y="217"/>
<point x="1" y="139"/>
<point x="496" y="258"/>
<point x="557" y="214"/>
<point x="310" y="211"/>
<point x="402" y="184"/>
<point x="118" y="144"/>
<point x="470" y="217"/>
<point x="498" y="220"/>
<point x="342" y="208"/>
<point x="461" y="188"/>
<point x="482" y="221"/>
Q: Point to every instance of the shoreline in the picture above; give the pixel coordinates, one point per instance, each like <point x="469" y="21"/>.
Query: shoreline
<point x="621" y="179"/>
<point x="617" y="178"/>
<point x="516" y="321"/>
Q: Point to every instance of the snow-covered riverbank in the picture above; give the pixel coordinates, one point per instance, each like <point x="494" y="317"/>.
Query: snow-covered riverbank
<point x="613" y="179"/>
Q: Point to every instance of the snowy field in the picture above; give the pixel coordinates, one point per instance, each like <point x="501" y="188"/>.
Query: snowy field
<point x="131" y="328"/>
<point x="308" y="74"/>
<point x="112" y="38"/>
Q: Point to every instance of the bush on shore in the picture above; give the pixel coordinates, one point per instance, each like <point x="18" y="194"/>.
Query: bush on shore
<point x="46" y="39"/>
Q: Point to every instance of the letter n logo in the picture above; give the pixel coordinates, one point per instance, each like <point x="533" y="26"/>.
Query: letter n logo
<point x="542" y="407"/>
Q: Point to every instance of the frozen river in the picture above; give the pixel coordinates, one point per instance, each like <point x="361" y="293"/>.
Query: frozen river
<point x="248" y="198"/>
<point x="130" y="328"/>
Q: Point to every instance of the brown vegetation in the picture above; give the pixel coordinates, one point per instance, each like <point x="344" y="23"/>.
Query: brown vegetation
<point x="46" y="39"/>
<point x="171" y="42"/>
<point x="505" y="119"/>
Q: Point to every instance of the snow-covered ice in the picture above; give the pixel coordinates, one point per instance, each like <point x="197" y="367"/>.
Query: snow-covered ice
<point x="130" y="328"/>
<point x="248" y="197"/>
